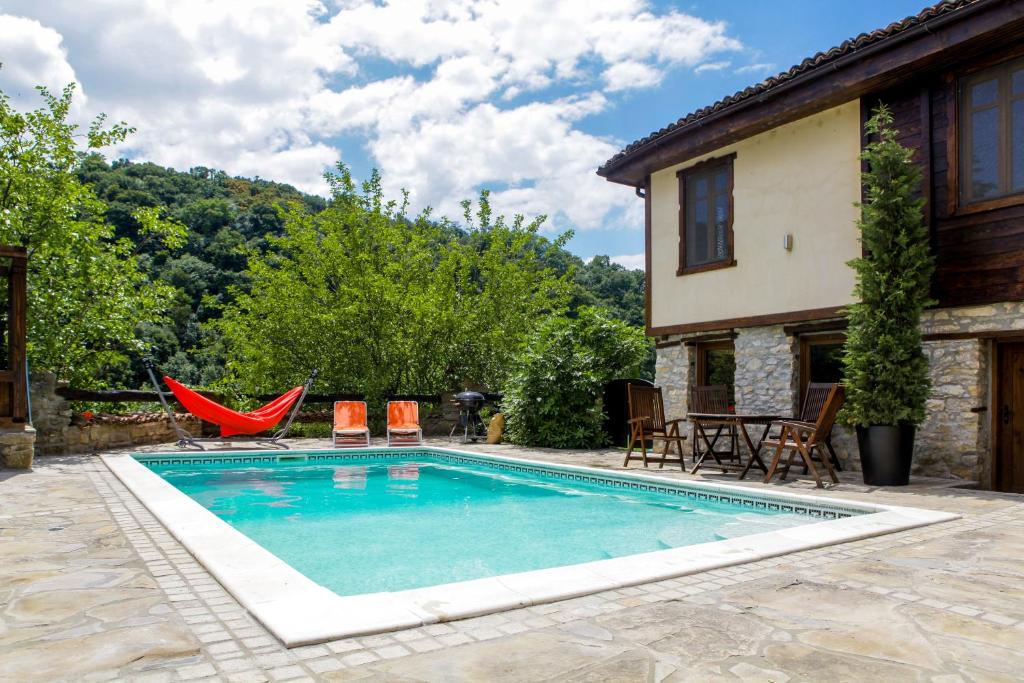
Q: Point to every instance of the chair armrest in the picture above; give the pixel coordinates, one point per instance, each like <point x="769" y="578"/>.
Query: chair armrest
<point x="794" y="424"/>
<point x="638" y="419"/>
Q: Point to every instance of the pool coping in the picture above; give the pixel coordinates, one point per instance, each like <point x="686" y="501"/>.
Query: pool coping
<point x="298" y="611"/>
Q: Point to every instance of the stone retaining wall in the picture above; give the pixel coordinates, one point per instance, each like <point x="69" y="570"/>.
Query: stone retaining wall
<point x="58" y="431"/>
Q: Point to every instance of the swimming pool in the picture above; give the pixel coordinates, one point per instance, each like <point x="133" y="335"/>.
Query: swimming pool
<point x="326" y="544"/>
<point x="363" y="525"/>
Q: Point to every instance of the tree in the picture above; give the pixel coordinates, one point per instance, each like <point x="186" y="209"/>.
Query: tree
<point x="86" y="292"/>
<point x="554" y="395"/>
<point x="382" y="303"/>
<point x="887" y="380"/>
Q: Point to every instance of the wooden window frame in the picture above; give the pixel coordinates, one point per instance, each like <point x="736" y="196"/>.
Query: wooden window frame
<point x="682" y="175"/>
<point x="806" y="342"/>
<point x="701" y="349"/>
<point x="959" y="134"/>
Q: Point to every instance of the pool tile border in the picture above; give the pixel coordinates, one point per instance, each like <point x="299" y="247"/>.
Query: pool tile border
<point x="300" y="612"/>
<point x="819" y="508"/>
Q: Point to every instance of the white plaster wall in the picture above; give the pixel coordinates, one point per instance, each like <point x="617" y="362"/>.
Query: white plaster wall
<point x="801" y="178"/>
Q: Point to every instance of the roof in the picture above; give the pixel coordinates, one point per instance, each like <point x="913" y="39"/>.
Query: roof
<point x="812" y="64"/>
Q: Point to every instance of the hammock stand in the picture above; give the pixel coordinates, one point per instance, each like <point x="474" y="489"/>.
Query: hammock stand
<point x="233" y="434"/>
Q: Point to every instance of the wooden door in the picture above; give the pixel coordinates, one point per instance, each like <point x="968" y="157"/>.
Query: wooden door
<point x="1009" y="465"/>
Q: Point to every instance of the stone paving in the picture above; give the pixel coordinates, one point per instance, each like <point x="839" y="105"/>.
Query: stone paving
<point x="93" y="588"/>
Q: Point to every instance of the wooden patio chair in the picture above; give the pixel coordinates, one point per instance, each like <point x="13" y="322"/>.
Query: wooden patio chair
<point x="806" y="439"/>
<point x="713" y="398"/>
<point x="814" y="401"/>
<point x="647" y="423"/>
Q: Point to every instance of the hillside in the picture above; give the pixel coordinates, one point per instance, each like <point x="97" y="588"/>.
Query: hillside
<point x="227" y="216"/>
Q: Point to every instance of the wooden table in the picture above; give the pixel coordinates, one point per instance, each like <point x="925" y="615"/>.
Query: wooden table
<point x="716" y="421"/>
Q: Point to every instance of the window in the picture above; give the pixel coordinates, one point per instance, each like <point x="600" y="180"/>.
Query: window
<point x="821" y="360"/>
<point x="992" y="134"/>
<point x="714" y="362"/>
<point x="705" y="216"/>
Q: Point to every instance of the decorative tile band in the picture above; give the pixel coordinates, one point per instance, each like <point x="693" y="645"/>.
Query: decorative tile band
<point x="755" y="500"/>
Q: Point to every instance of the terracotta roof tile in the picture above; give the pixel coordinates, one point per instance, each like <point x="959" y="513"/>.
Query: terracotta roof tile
<point x="810" y="64"/>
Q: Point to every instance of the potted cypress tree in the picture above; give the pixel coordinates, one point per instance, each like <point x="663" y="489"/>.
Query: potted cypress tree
<point x="887" y="382"/>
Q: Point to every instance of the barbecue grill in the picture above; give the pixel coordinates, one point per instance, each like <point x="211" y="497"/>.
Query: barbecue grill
<point x="470" y="423"/>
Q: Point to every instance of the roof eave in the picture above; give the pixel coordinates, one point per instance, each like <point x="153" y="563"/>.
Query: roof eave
<point x="629" y="168"/>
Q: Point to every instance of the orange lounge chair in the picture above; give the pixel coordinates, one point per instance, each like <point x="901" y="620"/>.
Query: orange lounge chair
<point x="350" y="424"/>
<point x="404" y="423"/>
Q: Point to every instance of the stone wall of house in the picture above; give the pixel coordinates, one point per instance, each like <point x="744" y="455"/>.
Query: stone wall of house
<point x="766" y="375"/>
<point x="58" y="431"/>
<point x="672" y="374"/>
<point x="953" y="440"/>
<point x="1001" y="317"/>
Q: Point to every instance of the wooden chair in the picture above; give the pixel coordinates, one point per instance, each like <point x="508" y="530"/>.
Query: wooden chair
<point x="713" y="398"/>
<point x="806" y="439"/>
<point x="814" y="401"/>
<point x="647" y="423"/>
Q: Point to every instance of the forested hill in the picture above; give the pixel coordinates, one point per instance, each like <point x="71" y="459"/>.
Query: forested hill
<point x="226" y="216"/>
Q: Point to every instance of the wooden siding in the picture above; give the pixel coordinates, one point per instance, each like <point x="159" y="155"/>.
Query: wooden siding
<point x="979" y="255"/>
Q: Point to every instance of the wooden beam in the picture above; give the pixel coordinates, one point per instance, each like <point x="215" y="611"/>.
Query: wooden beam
<point x="120" y="395"/>
<point x="991" y="334"/>
<point x="836" y="325"/>
<point x="750" y="321"/>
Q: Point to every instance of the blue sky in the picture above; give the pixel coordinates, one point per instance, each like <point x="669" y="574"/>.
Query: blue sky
<point x="523" y="97"/>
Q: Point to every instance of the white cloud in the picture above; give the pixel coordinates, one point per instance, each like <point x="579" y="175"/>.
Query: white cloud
<point x="474" y="93"/>
<point x="630" y="74"/>
<point x="759" y="68"/>
<point x="711" y="66"/>
<point x="631" y="261"/>
<point x="32" y="54"/>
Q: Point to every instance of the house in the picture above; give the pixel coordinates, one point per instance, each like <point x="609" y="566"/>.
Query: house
<point x="750" y="222"/>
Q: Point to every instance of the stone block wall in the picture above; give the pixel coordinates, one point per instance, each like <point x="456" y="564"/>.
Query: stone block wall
<point x="17" y="446"/>
<point x="58" y="431"/>
<point x="953" y="441"/>
<point x="766" y="371"/>
<point x="672" y="374"/>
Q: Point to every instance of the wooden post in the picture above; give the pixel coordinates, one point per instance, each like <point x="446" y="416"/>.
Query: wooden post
<point x="13" y="389"/>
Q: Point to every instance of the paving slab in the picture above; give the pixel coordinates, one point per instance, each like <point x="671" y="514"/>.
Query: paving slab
<point x="92" y="587"/>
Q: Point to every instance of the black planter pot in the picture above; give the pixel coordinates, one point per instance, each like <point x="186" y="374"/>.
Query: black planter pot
<point x="885" y="454"/>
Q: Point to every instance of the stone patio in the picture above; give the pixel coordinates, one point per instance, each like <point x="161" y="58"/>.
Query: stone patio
<point x="93" y="588"/>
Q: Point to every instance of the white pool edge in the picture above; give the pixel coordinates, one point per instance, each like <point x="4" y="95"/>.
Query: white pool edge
<point x="299" y="611"/>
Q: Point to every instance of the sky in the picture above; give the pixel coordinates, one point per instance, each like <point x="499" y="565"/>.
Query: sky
<point x="525" y="98"/>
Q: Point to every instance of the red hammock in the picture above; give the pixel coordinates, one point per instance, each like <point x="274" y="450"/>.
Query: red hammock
<point x="232" y="422"/>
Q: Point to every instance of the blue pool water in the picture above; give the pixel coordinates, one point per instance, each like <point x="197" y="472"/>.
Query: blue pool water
<point x="367" y="525"/>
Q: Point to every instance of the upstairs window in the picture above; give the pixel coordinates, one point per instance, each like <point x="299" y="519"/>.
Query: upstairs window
<point x="705" y="216"/>
<point x="992" y="134"/>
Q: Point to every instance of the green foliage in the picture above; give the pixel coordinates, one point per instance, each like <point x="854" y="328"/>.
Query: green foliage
<point x="887" y="379"/>
<point x="612" y="287"/>
<point x="382" y="303"/>
<point x="553" y="398"/>
<point x="226" y="218"/>
<point x="86" y="293"/>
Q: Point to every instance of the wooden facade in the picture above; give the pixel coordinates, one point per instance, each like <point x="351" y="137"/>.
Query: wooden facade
<point x="979" y="249"/>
